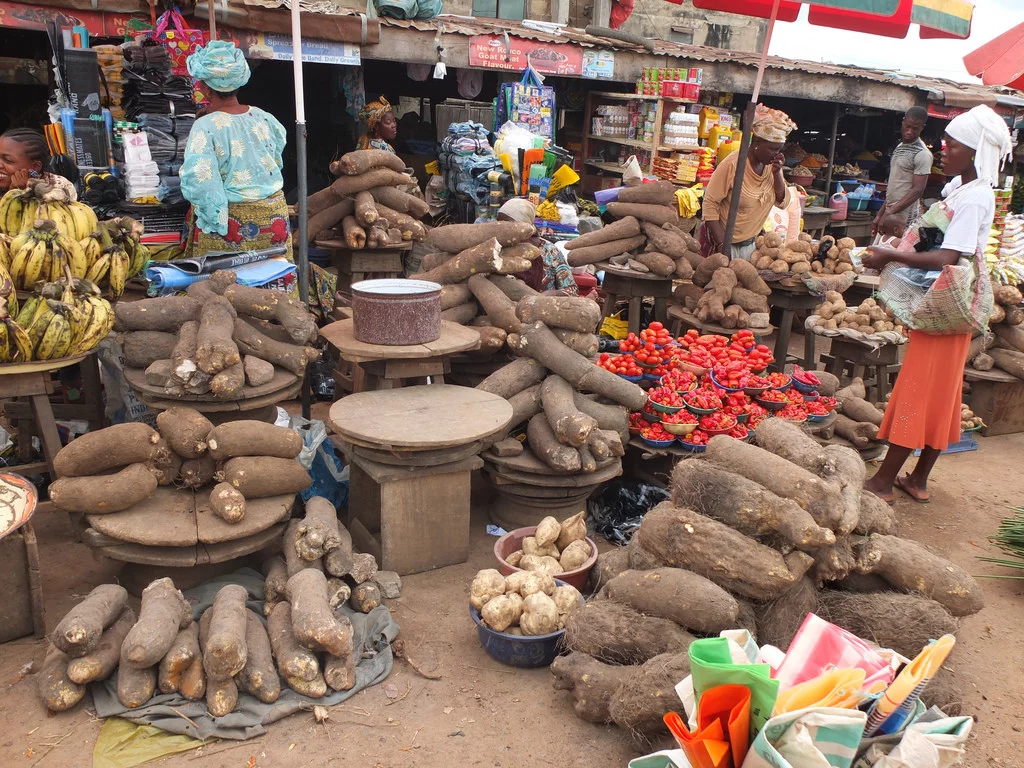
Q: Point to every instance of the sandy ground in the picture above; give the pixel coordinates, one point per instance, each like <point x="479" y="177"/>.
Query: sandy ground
<point x="482" y="714"/>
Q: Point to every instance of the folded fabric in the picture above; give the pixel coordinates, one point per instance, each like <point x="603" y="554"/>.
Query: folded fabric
<point x="722" y="736"/>
<point x="712" y="664"/>
<point x="835" y="688"/>
<point x="824" y="737"/>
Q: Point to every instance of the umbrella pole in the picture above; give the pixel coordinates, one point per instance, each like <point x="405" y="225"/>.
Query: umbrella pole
<point x="300" y="153"/>
<point x="748" y="122"/>
<point x="832" y="153"/>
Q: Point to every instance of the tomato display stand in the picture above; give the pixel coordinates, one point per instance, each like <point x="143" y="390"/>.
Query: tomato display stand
<point x="411" y="453"/>
<point x="633" y="287"/>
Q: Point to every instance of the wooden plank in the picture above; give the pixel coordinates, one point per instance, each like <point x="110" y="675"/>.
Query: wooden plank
<point x="419" y="418"/>
<point x="165" y="519"/>
<point x="228" y="406"/>
<point x="415" y="458"/>
<point x="425" y="522"/>
<point x="25" y="384"/>
<point x="282" y="381"/>
<point x="389" y="473"/>
<point x="370" y="261"/>
<point x="454" y="338"/>
<point x="260" y="514"/>
<point x="269" y="540"/>
<point x="365" y="541"/>
<point x="999" y="404"/>
<point x="341" y="245"/>
<point x="171" y="557"/>
<point x="995" y="375"/>
<point x="631" y="274"/>
<point x="579" y="480"/>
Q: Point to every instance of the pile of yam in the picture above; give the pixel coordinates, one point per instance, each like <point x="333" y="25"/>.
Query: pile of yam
<point x="753" y="537"/>
<point x="368" y="205"/>
<point x="113" y="469"/>
<point x="832" y="257"/>
<point x="867" y="318"/>
<point x="219" y="339"/>
<point x="1003" y="347"/>
<point x="734" y="295"/>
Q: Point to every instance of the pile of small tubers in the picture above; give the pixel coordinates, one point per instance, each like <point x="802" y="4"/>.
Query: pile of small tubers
<point x="522" y="603"/>
<point x="773" y="254"/>
<point x="113" y="469"/>
<point x="968" y="420"/>
<point x="870" y="317"/>
<point x="554" y="548"/>
<point x="833" y="256"/>
<point x="734" y="295"/>
<point x="218" y="339"/>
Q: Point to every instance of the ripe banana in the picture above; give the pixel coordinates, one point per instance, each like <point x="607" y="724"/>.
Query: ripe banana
<point x="39" y="324"/>
<point x="21" y="346"/>
<point x="5" y="252"/>
<point x="29" y="214"/>
<point x="34" y="266"/>
<point x="28" y="311"/>
<point x="84" y="218"/>
<point x="99" y="269"/>
<point x="56" y="339"/>
<point x="119" y="263"/>
<point x="6" y="351"/>
<point x="73" y="254"/>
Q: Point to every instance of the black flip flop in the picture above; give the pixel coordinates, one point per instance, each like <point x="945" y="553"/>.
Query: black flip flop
<point x="898" y="482"/>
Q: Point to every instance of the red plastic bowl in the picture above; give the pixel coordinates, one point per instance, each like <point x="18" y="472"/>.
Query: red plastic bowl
<point x="513" y="540"/>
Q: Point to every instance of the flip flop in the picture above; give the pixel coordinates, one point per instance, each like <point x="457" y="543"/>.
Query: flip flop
<point x="889" y="501"/>
<point x="898" y="482"/>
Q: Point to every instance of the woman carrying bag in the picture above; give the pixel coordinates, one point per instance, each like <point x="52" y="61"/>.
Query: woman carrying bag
<point x="943" y="294"/>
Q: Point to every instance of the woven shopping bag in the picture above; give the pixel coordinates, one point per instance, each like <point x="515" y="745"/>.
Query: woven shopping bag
<point x="180" y="41"/>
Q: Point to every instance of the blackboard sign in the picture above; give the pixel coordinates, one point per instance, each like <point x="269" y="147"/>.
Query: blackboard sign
<point x="91" y="144"/>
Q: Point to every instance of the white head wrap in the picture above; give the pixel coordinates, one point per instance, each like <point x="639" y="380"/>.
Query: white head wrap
<point x="986" y="133"/>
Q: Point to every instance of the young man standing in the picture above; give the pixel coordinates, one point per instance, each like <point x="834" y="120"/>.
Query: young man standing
<point x="910" y="166"/>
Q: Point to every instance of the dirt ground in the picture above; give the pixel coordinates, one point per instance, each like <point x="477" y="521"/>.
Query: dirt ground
<point x="482" y="714"/>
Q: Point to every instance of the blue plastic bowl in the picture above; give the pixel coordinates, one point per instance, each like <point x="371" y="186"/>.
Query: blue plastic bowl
<point x="519" y="650"/>
<point x="656" y="443"/>
<point x="804" y="389"/>
<point x="814" y="418"/>
<point x="691" y="447"/>
<point x="634" y="379"/>
<point x="651" y="377"/>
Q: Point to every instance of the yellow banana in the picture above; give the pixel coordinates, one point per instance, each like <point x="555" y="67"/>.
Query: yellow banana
<point x="12" y="210"/>
<point x="100" y="323"/>
<point x="34" y="266"/>
<point x="19" y="261"/>
<point x="91" y="249"/>
<point x="39" y="324"/>
<point x="6" y="352"/>
<point x="5" y="252"/>
<point x="52" y="337"/>
<point x="22" y="347"/>
<point x="29" y="215"/>
<point x="84" y="218"/>
<point x="98" y="271"/>
<point x="83" y="320"/>
<point x="119" y="262"/>
<point x="28" y="311"/>
<point x="74" y="256"/>
<point x="19" y="242"/>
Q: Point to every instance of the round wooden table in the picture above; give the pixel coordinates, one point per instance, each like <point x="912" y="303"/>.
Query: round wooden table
<point x="377" y="366"/>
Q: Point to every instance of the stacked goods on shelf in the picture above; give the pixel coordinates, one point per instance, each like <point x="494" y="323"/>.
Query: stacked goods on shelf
<point x="734" y="295"/>
<point x="111" y="62"/>
<point x="367" y="206"/>
<point x="1004" y="252"/>
<point x="218" y="339"/>
<point x="754" y="537"/>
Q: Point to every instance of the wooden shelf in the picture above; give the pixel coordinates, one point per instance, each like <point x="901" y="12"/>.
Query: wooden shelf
<point x="685" y="150"/>
<point x="609" y="167"/>
<point x="638" y="97"/>
<point x="625" y="142"/>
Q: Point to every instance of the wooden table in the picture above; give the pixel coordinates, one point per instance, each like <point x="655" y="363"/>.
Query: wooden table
<point x="414" y="516"/>
<point x="634" y="287"/>
<point x="681" y="317"/>
<point x="789" y="302"/>
<point x="873" y="365"/>
<point x="376" y="366"/>
<point x="998" y="398"/>
<point x="356" y="265"/>
<point x="816" y="219"/>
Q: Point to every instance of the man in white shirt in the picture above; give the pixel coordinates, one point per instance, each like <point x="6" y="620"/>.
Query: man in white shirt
<point x="910" y="166"/>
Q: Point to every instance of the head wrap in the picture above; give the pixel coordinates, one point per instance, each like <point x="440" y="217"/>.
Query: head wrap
<point x="986" y="133"/>
<point x="772" y="125"/>
<point x="374" y="112"/>
<point x="519" y="209"/>
<point x="220" y="65"/>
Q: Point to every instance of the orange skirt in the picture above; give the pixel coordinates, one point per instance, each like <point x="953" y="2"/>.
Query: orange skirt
<point x="924" y="410"/>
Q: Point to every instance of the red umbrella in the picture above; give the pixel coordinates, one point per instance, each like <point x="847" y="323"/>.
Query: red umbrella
<point x="1000" y="61"/>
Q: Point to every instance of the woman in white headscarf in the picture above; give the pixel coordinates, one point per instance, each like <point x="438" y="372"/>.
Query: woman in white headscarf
<point x="924" y="410"/>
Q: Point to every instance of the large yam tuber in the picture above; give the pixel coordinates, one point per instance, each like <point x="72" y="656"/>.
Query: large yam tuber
<point x="518" y="375"/>
<point x="275" y="582"/>
<point x="225" y="652"/>
<point x="185" y="430"/>
<point x="101" y="661"/>
<point x="195" y="473"/>
<point x="492" y="340"/>
<point x="110" y="448"/>
<point x="135" y="686"/>
<point x="340" y="673"/>
<point x="703" y="272"/>
<point x="593" y="254"/>
<point x="593" y="684"/>
<point x="570" y="425"/>
<point x="1009" y="360"/>
<point x="907" y="565"/>
<point x="363" y="160"/>
<point x="270" y="305"/>
<point x="525" y="405"/>
<point x="569" y="312"/>
<point x="316" y="626"/>
<point x="849" y="474"/>
<point x="353" y="234"/>
<point x="215" y="349"/>
<point x="258" y="477"/>
<point x="684" y="539"/>
<point x="400" y="201"/>
<point x="748" y="300"/>
<point x="512" y="287"/>
<point x="658" y="263"/>
<point x="347" y="186"/>
<point x="499" y="308"/>
<point x="328" y="218"/>
<point x="294" y="563"/>
<point x="657" y="193"/>
<point x="317" y="533"/>
<point x="247" y="436"/>
<point x="691" y="601"/>
<point x="58" y="692"/>
<point x="483" y="258"/>
<point x="258" y="677"/>
<point x="647" y="694"/>
<point x="617" y="634"/>
<point x="546" y="447"/>
<point x="640" y="559"/>
<point x="537" y="341"/>
<point x="789" y="441"/>
<point x="104" y="493"/>
<point x="861" y="434"/>
<point x="783" y="478"/>
<point x="164" y="611"/>
<point x="227" y="384"/>
<point x="608" y="416"/>
<point x="365" y="597"/>
<point x="749" y="278"/>
<point x="293" y="661"/>
<point x="609" y="565"/>
<point x="164" y="314"/>
<point x="875" y="516"/>
<point x="192" y="685"/>
<point x="779" y="619"/>
<point x="184" y="651"/>
<point x="460" y="315"/>
<point x="221" y="693"/>
<point x="619" y="230"/>
<point x="80" y="631"/>
<point x="456" y="238"/>
<point x="339" y="561"/>
<point x="288" y="356"/>
<point x="1011" y="335"/>
<point x="143" y="348"/>
<point x="184" y="370"/>
<point x="586" y="344"/>
<point x="407" y="228"/>
<point x="860" y="410"/>
<point x="744" y="505"/>
<point x="454" y="295"/>
<point x="656" y="214"/>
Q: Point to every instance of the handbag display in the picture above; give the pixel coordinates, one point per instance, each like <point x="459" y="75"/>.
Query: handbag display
<point x="179" y="41"/>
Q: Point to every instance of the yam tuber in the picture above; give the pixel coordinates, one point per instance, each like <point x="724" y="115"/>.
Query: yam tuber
<point x="293" y="661"/>
<point x="164" y="314"/>
<point x="135" y="686"/>
<point x="593" y="684"/>
<point x="328" y="218"/>
<point x="81" y="629"/>
<point x="365" y="597"/>
<point x="339" y="561"/>
<point x="340" y="673"/>
<point x="482" y="258"/>
<point x="408" y="228"/>
<point x="247" y="436"/>
<point x="790" y="442"/>
<point x="623" y="229"/>
<point x="904" y="623"/>
<point x="58" y="692"/>
<point x="661" y="193"/>
<point x="183" y="652"/>
<point x="691" y="601"/>
<point x="580" y="257"/>
<point x="875" y="516"/>
<point x="317" y="533"/>
<point x="400" y="201"/>
<point x="258" y="477"/>
<point x="656" y="214"/>
<point x="749" y="278"/>
<point x="102" y="660"/>
<point x="195" y="473"/>
<point x="569" y="312"/>
<point x="143" y="348"/>
<point x="658" y="263"/>
<point x="647" y="694"/>
<point x="849" y="474"/>
<point x="164" y="611"/>
<point x="185" y="430"/>
<point x="115" y="446"/>
<point x="221" y="693"/>
<point x="347" y="186"/>
<point x="227" y="385"/>
<point x="1009" y="360"/>
<point x="104" y="493"/>
<point x="512" y="287"/>
<point x="456" y="238"/>
<point x="520" y="374"/>
<point x="258" y="677"/>
<point x="546" y="446"/>
<point x="316" y="626"/>
<point x="703" y="272"/>
<point x="861" y="434"/>
<point x="499" y="308"/>
<point x="275" y="579"/>
<point x="617" y="634"/>
<point x="193" y="680"/>
<point x="224" y="654"/>
<point x="362" y="161"/>
<point x="608" y="416"/>
<point x="271" y="305"/>
<point x="215" y="349"/>
<point x="288" y="356"/>
<point x="571" y="426"/>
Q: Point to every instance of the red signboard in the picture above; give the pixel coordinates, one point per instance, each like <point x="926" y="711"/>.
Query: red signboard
<point x="490" y="51"/>
<point x="34" y="17"/>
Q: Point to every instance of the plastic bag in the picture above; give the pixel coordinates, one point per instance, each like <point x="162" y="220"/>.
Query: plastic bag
<point x="632" y="175"/>
<point x="808" y="737"/>
<point x="329" y="473"/>
<point x="122" y="404"/>
<point x="620" y="507"/>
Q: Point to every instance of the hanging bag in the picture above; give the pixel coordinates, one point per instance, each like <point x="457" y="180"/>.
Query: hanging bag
<point x="180" y="41"/>
<point x="529" y="104"/>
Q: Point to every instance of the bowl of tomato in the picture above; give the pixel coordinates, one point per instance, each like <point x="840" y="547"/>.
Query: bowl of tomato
<point x="780" y="381"/>
<point x="679" y="380"/>
<point x="696" y="441"/>
<point x="772" y="400"/>
<point x="665" y="400"/>
<point x="805" y="381"/>
<point x="721" y="382"/>
<point x="740" y="432"/>
<point x="637" y="422"/>
<point x="656" y="437"/>
<point x="719" y="423"/>
<point x="680" y="423"/>
<point x="702" y="402"/>
<point x="794" y="413"/>
<point x="809" y="397"/>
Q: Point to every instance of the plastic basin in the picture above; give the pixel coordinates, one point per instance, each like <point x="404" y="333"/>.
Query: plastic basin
<point x="513" y="540"/>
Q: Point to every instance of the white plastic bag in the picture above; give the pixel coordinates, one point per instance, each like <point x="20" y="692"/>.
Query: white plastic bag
<point x="632" y="175"/>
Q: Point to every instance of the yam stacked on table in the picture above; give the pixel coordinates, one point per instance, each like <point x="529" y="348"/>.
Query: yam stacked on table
<point x="734" y="294"/>
<point x="826" y="257"/>
<point x="367" y="206"/>
<point x="1003" y="346"/>
<point x="754" y="537"/>
<point x="303" y="642"/>
<point x="113" y="469"/>
<point x="218" y="339"/>
<point x="868" y="317"/>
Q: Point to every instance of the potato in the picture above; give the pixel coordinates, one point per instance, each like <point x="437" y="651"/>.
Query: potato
<point x="530" y="547"/>
<point x="816" y="266"/>
<point x="530" y="563"/>
<point x="844" y="257"/>
<point x="759" y="242"/>
<point x="575" y="555"/>
<point x="487" y="584"/>
<point x="833" y="254"/>
<point x="779" y="266"/>
<point x="498" y="613"/>
<point x="550" y="565"/>
<point x="547" y="532"/>
<point x="830" y="325"/>
<point x="834" y="297"/>
<point x="571" y="529"/>
<point x="772" y="253"/>
<point x="516" y="601"/>
<point x="537" y="582"/>
<point x="514" y="582"/>
<point x="847" y="242"/>
<point x="773" y="240"/>
<point x="800" y="267"/>
<point x="540" y="615"/>
<point x="515" y="557"/>
<point x="830" y="265"/>
<point x="879" y="325"/>
<point x="805" y="237"/>
<point x="567" y="599"/>
<point x="764" y="262"/>
<point x="824" y="312"/>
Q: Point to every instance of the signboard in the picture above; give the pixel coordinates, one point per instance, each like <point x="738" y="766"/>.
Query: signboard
<point x="267" y="45"/>
<point x="19" y="16"/>
<point x="598" y="64"/>
<point x="489" y="51"/>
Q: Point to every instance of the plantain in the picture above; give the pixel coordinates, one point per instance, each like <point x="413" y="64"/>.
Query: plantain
<point x="7" y="351"/>
<point x="39" y="325"/>
<point x="22" y="347"/>
<point x="119" y="262"/>
<point x="56" y="338"/>
<point x="28" y="310"/>
<point x="98" y="271"/>
<point x="34" y="266"/>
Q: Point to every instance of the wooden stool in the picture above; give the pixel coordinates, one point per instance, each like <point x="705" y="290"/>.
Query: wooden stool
<point x="874" y="366"/>
<point x="356" y="265"/>
<point x="634" y="287"/>
<point x="679" y="317"/>
<point x="789" y="302"/>
<point x="21" y="612"/>
<point x="411" y="453"/>
<point x="35" y="415"/>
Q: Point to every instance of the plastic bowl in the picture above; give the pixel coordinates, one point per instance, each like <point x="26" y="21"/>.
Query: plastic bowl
<point x="513" y="540"/>
<point x="754" y="391"/>
<point x="795" y="421"/>
<point x="691" y="447"/>
<point x="787" y="385"/>
<point x="720" y="386"/>
<point x="741" y="418"/>
<point x="650" y="418"/>
<point x="768" y="405"/>
<point x="801" y="387"/>
<point x="634" y="379"/>
<point x="519" y="650"/>
<point x="678" y="429"/>
<point x="815" y="418"/>
<point x="656" y="443"/>
<point x="810" y="397"/>
<point x="726" y="430"/>
<point x="665" y="408"/>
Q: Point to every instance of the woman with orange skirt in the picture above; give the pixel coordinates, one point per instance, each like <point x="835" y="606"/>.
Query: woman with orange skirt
<point x="924" y="410"/>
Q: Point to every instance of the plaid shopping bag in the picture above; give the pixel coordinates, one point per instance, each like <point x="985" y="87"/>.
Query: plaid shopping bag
<point x="180" y="41"/>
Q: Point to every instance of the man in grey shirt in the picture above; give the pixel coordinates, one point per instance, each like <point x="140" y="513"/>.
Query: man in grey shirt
<point x="909" y="169"/>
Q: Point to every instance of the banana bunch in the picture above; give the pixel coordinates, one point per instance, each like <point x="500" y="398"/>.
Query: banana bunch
<point x="113" y="253"/>
<point x="21" y="208"/>
<point x="62" y="319"/>
<point x="18" y="209"/>
<point x="5" y="252"/>
<point x="8" y="292"/>
<point x="43" y="253"/>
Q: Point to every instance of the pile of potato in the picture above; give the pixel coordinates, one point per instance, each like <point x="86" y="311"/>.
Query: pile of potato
<point x="869" y="317"/>
<point x="555" y="547"/>
<point x="1007" y="308"/>
<point x="522" y="603"/>
<point x="837" y="256"/>
<point x="968" y="420"/>
<point x="775" y="255"/>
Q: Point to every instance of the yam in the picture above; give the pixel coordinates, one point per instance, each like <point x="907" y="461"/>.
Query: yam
<point x="273" y="306"/>
<point x="482" y="258"/>
<point x="546" y="446"/>
<point x="109" y="448"/>
<point x="744" y="505"/>
<point x="683" y="270"/>
<point x="592" y="683"/>
<point x="610" y="417"/>
<point x="639" y="558"/>
<point x="907" y="565"/>
<point x="228" y="383"/>
<point x="817" y="496"/>
<point x="185" y="371"/>
<point x="655" y="214"/>
<point x="135" y="686"/>
<point x="365" y="597"/>
<point x="184" y="650"/>
<point x="1011" y="335"/>
<point x="666" y="241"/>
<point x="904" y="623"/>
<point x="457" y="238"/>
<point x="195" y="473"/>
<point x="861" y="410"/>
<point x="364" y="567"/>
<point x="166" y="313"/>
<point x="400" y="201"/>
<point x="454" y="295"/>
<point x="258" y="677"/>
<point x="609" y="565"/>
<point x="102" y="660"/>
<point x="513" y="378"/>
<point x="328" y="218"/>
<point x="983" y="362"/>
<point x="778" y="620"/>
<point x="875" y="516"/>
<point x="748" y="300"/>
<point x="585" y="344"/>
<point x="316" y="626"/>
<point x="288" y="356"/>
<point x="224" y="654"/>
<point x="684" y="539"/>
<point x="623" y="229"/>
<point x="1009" y="360"/>
<point x="81" y="629"/>
<point x="1008" y="295"/>
<point x="185" y="430"/>
<point x="662" y="193"/>
<point x="317" y="533"/>
<point x="570" y="425"/>
<point x="658" y="263"/>
<point x="849" y="474"/>
<point x="525" y="405"/>
<point x="293" y="661"/>
<point x="829" y="383"/>
<point x="340" y="673"/>
<point x="58" y="692"/>
<point x="243" y="437"/>
<point x="788" y="441"/>
<point x="617" y="634"/>
<point x="691" y="601"/>
<point x="861" y="434"/>
<point x="143" y="348"/>
<point x="313" y="689"/>
<point x="460" y="315"/>
<point x="499" y="308"/>
<point x="593" y="254"/>
<point x="574" y="555"/>
<point x="258" y="477"/>
<point x="222" y="693"/>
<point x="294" y="563"/>
<point x="408" y="228"/>
<point x="512" y="287"/>
<point x="347" y="186"/>
<point x="647" y="694"/>
<point x="702" y="272"/>
<point x="339" y="561"/>
<point x="164" y="611"/>
<point x="353" y="234"/>
<point x="215" y="349"/>
<point x="193" y="680"/>
<point x="362" y="161"/>
<point x="569" y="312"/>
<point x="275" y="579"/>
<point x="104" y="493"/>
<point x="338" y="592"/>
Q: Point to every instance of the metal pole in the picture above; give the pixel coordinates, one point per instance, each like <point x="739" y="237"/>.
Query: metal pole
<point x="300" y="154"/>
<point x="832" y="152"/>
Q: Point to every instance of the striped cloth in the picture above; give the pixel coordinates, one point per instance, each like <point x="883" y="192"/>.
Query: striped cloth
<point x="808" y="737"/>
